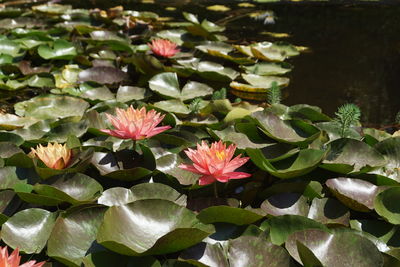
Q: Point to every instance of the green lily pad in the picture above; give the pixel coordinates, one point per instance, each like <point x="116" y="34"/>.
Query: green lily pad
<point x="267" y="68"/>
<point x="11" y="48"/>
<point x="306" y="161"/>
<point x="168" y="163"/>
<point x="9" y="177"/>
<point x="265" y="81"/>
<point x="174" y="106"/>
<point x="150" y="226"/>
<point x="228" y="214"/>
<point x="73" y="189"/>
<point x="256" y="251"/>
<point x="350" y="155"/>
<point x="61" y="49"/>
<point x="354" y="193"/>
<point x="73" y="235"/>
<point x="294" y="132"/>
<point x="205" y="254"/>
<point x="385" y="205"/>
<point x="304" y="111"/>
<point x="273" y="52"/>
<point x="167" y="85"/>
<point x="157" y="191"/>
<point x="283" y="226"/>
<point x="333" y="249"/>
<point x="124" y="165"/>
<point x="51" y="107"/>
<point x="329" y="211"/>
<point x="116" y="196"/>
<point x="28" y="230"/>
<point x="129" y="93"/>
<point x="286" y="204"/>
<point x="333" y="129"/>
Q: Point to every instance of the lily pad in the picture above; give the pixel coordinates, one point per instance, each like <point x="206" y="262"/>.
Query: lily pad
<point x="329" y="211"/>
<point x="354" y="193"/>
<point x="333" y="249"/>
<point x="283" y="226"/>
<point x="150" y="226"/>
<point x="385" y="205"/>
<point x="61" y="49"/>
<point x="102" y="75"/>
<point x="73" y="189"/>
<point x="255" y="251"/>
<point x="294" y="132"/>
<point x="167" y="85"/>
<point x="286" y="204"/>
<point x="28" y="230"/>
<point x="350" y="155"/>
<point x="73" y="235"/>
<point x="305" y="162"/>
<point x="124" y="165"/>
<point x="228" y="214"/>
<point x="51" y="107"/>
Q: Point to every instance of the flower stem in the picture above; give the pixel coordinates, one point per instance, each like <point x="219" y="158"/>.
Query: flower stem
<point x="215" y="190"/>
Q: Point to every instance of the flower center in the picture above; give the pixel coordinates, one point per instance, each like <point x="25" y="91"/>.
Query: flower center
<point x="220" y="155"/>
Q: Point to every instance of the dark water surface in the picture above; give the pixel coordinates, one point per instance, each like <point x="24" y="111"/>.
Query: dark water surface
<point x="354" y="57"/>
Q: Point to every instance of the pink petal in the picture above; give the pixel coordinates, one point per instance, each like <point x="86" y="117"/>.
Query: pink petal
<point x="206" y="179"/>
<point x="158" y="130"/>
<point x="190" y="168"/>
<point x="235" y="163"/>
<point x="232" y="175"/>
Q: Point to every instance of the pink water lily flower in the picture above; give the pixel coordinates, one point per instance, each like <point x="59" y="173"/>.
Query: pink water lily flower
<point x="14" y="259"/>
<point x="54" y="156"/>
<point x="135" y="124"/>
<point x="163" y="47"/>
<point x="215" y="163"/>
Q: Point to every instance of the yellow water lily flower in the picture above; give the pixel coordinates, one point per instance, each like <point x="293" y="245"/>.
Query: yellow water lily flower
<point x="54" y="156"/>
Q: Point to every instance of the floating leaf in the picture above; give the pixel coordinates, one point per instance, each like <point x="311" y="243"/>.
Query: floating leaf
<point x="286" y="204"/>
<point x="102" y="75"/>
<point x="329" y="211"/>
<point x="385" y="205"/>
<point x="167" y="85"/>
<point x="150" y="226"/>
<point x="73" y="189"/>
<point x="305" y="162"/>
<point x="283" y="226"/>
<point x="350" y="155"/>
<point x="61" y="49"/>
<point x="28" y="230"/>
<point x="124" y="165"/>
<point x="255" y="251"/>
<point x="354" y="193"/>
<point x="333" y="249"/>
<point x="51" y="107"/>
<point x="228" y="214"/>
<point x="73" y="235"/>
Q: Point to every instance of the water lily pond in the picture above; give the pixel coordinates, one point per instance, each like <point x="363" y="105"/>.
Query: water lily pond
<point x="199" y="133"/>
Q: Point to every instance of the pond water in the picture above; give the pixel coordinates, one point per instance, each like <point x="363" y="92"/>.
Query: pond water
<point x="354" y="49"/>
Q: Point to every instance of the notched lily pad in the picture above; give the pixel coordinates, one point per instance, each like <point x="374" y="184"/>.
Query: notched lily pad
<point x="124" y="165"/>
<point x="354" y="193"/>
<point x="102" y="75"/>
<point x="329" y="211"/>
<point x="333" y="249"/>
<point x="286" y="204"/>
<point x="28" y="230"/>
<point x="150" y="226"/>
<point x="51" y="107"/>
<point x="167" y="85"/>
